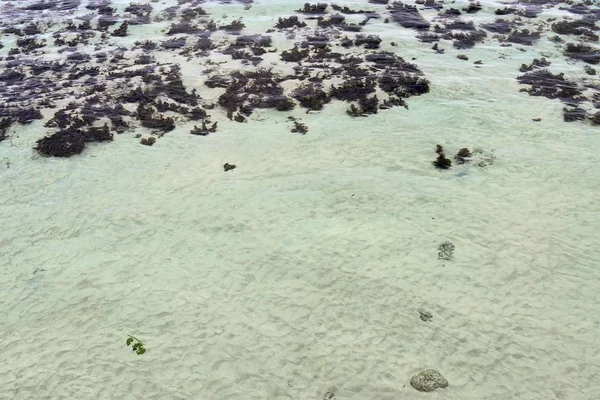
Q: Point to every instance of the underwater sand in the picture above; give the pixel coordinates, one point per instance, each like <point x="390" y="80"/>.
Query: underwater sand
<point x="303" y="271"/>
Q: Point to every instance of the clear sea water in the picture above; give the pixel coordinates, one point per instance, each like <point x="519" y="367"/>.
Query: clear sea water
<point x="310" y="269"/>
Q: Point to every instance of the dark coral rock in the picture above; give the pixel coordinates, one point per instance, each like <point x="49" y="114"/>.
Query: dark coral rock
<point x="64" y="143"/>
<point x="228" y="167"/>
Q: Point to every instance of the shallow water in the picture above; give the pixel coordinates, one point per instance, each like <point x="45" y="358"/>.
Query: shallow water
<point x="300" y="274"/>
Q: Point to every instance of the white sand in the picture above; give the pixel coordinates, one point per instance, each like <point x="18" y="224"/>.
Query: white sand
<point x="303" y="270"/>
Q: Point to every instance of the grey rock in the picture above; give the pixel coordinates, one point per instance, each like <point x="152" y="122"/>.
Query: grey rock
<point x="428" y="380"/>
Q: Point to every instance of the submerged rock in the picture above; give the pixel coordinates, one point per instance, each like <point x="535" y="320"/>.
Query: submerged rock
<point x="428" y="380"/>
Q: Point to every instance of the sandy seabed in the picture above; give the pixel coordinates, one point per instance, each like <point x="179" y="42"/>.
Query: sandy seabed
<point x="301" y="273"/>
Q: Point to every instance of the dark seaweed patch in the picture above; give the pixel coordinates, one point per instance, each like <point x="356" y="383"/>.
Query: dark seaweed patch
<point x="311" y="96"/>
<point x="501" y="26"/>
<point x="463" y="156"/>
<point x="290" y="22"/>
<point x="544" y="83"/>
<point x="121" y="31"/>
<point x="257" y="89"/>
<point x="205" y="129"/>
<point x="233" y="26"/>
<point x="64" y="143"/>
<point x="524" y="37"/>
<point x="319" y="8"/>
<point x="441" y="162"/>
<point x="571" y="114"/>
<point x="583" y="52"/>
<point x="408" y="16"/>
<point x="183" y="27"/>
<point x="294" y="55"/>
<point x="581" y="27"/>
<point x="368" y="41"/>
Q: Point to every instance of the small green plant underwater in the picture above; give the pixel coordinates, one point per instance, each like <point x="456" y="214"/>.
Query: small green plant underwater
<point x="138" y="346"/>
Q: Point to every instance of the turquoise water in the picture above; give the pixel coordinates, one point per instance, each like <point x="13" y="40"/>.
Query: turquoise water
<point x="302" y="272"/>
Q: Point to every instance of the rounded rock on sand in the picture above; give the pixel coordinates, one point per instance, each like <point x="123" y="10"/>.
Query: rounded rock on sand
<point x="428" y="380"/>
